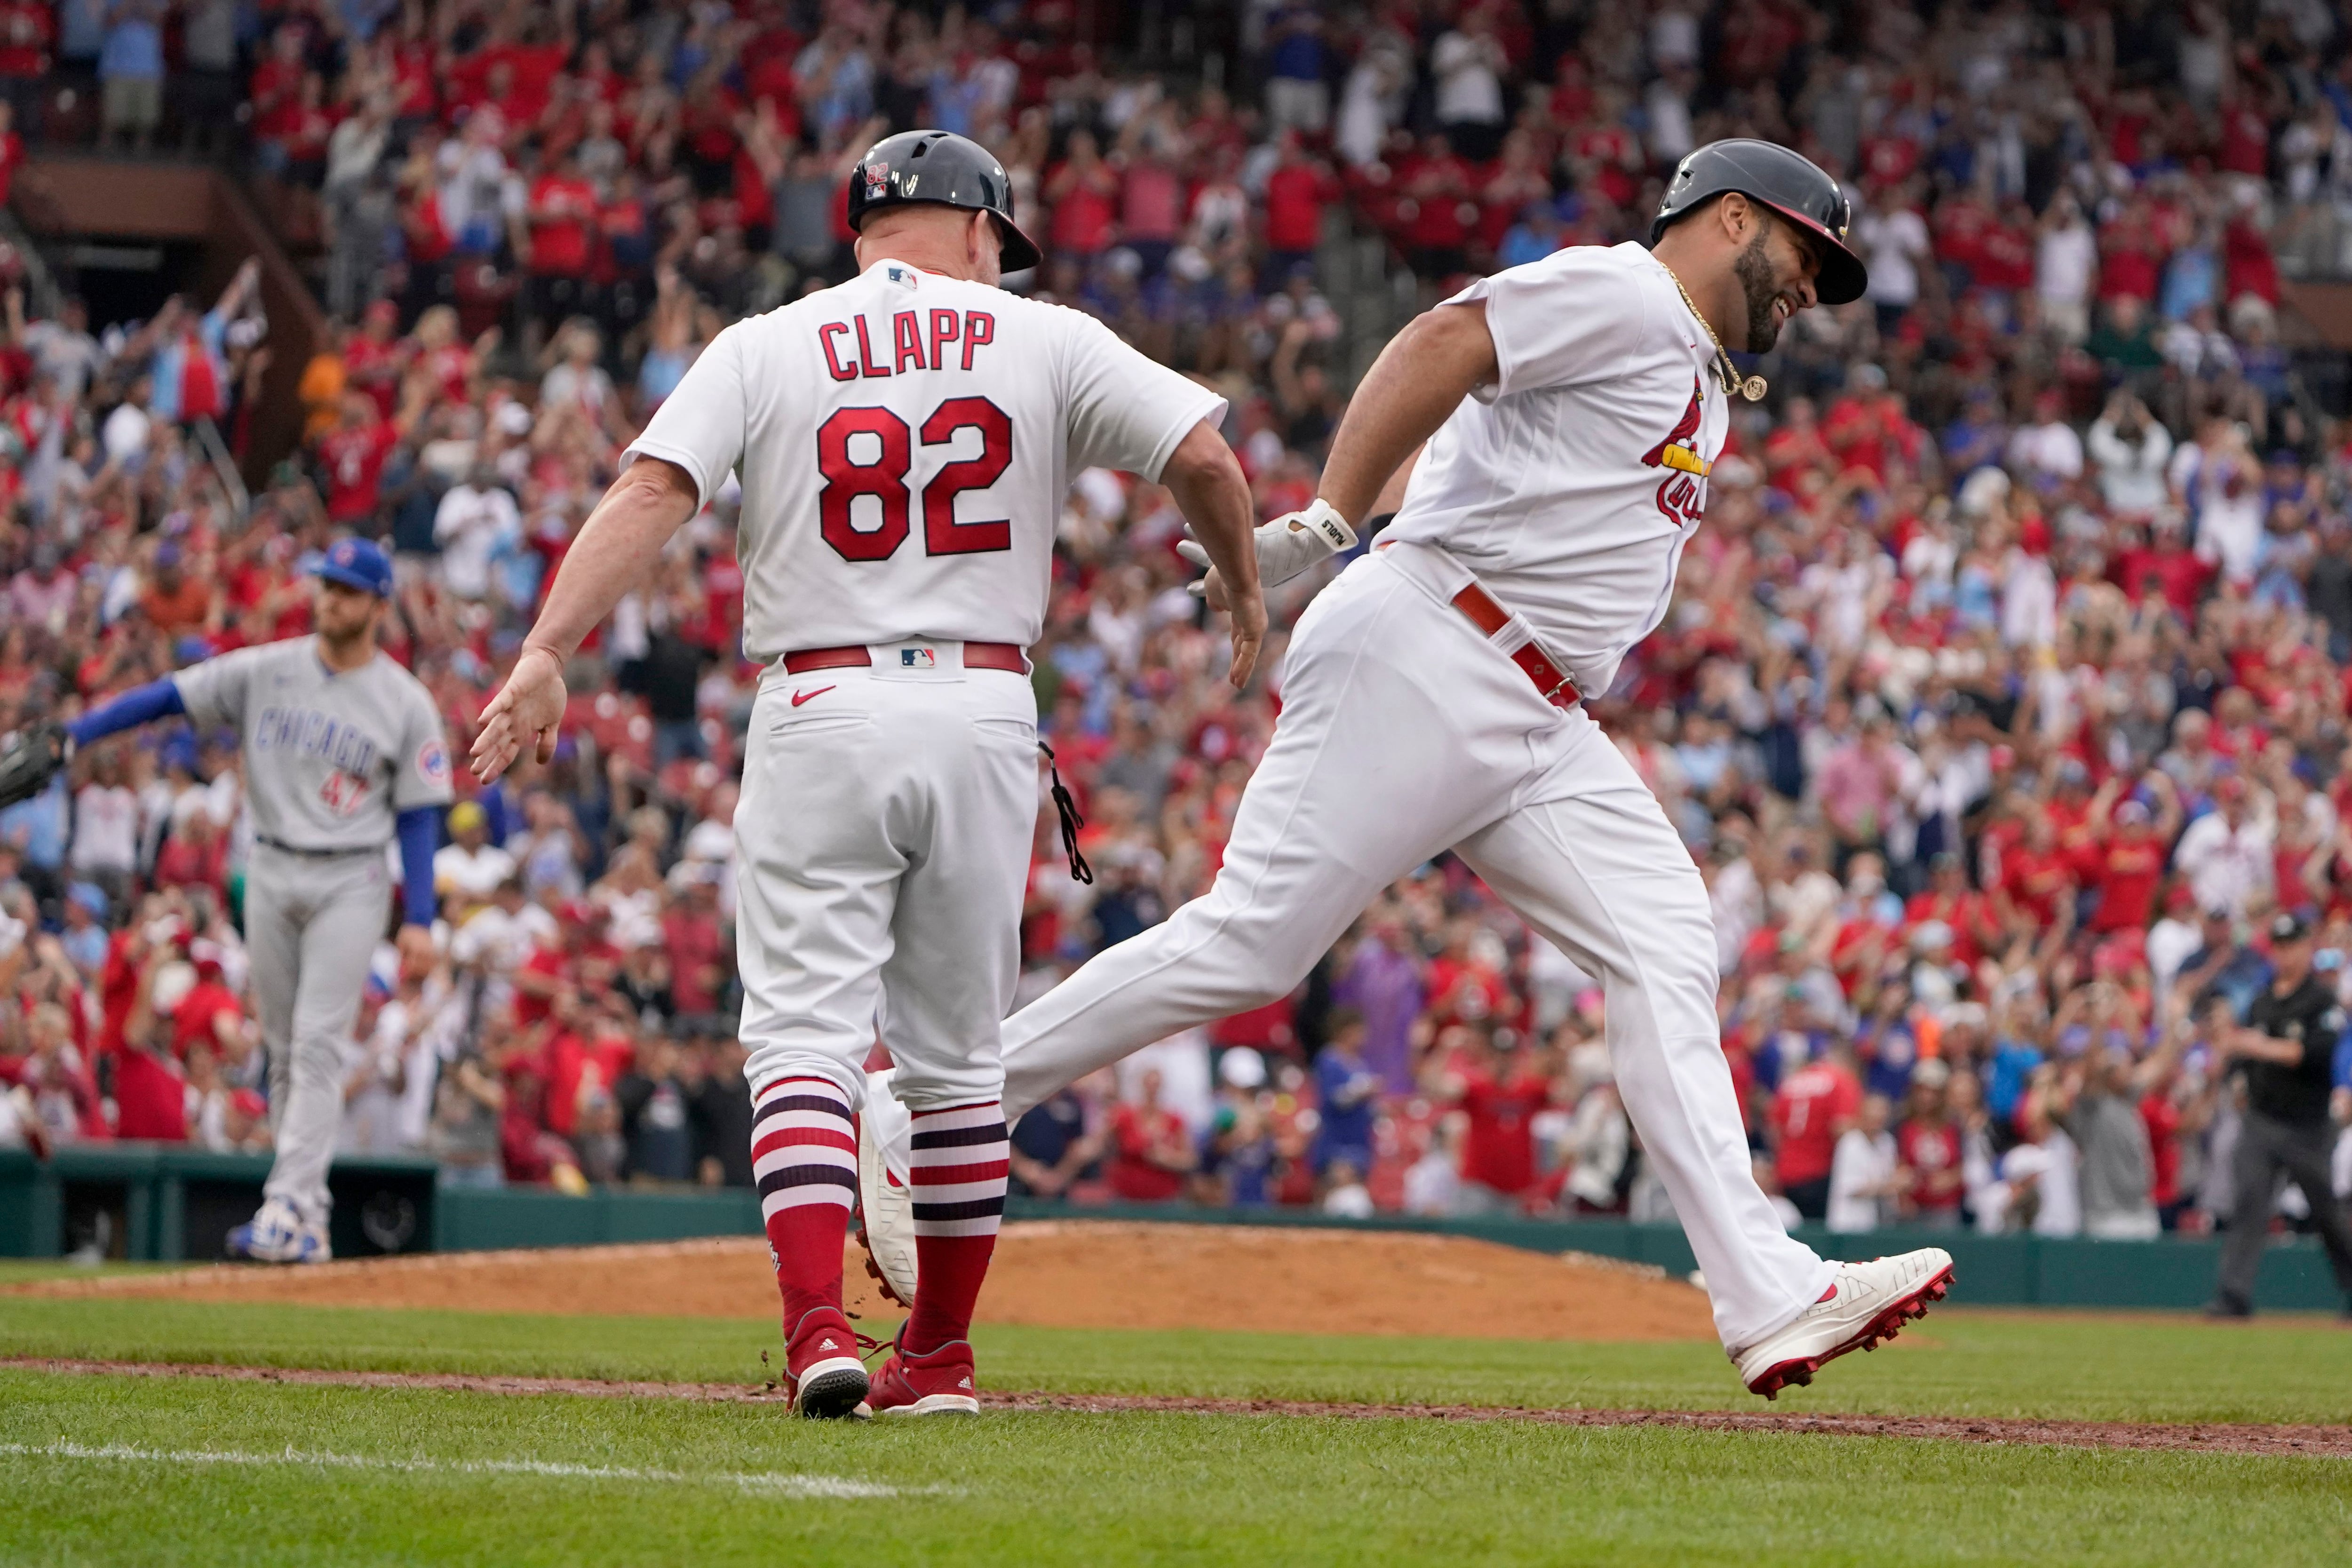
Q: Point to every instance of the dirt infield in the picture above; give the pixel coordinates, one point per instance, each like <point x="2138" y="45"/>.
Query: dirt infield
<point x="2291" y="1440"/>
<point x="1089" y="1275"/>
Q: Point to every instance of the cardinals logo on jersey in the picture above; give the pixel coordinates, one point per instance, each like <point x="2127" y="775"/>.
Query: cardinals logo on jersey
<point x="1681" y="494"/>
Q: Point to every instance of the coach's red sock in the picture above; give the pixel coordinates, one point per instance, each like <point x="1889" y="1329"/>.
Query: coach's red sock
<point x="958" y="1165"/>
<point x="804" y="1157"/>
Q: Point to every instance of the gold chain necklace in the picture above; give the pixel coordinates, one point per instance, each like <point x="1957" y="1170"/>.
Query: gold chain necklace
<point x="1752" y="387"/>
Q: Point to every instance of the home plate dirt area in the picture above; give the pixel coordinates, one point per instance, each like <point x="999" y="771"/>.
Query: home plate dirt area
<point x="1046" y="1274"/>
<point x="1114" y="1275"/>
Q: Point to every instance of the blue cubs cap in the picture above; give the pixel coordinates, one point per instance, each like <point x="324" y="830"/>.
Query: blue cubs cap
<point x="357" y="563"/>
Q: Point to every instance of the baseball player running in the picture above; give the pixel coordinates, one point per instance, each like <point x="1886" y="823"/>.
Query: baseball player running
<point x="343" y="753"/>
<point x="1571" y="410"/>
<point x="904" y="442"/>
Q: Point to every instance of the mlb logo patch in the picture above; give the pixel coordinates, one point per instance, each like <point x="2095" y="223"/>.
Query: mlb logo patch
<point x="905" y="277"/>
<point x="919" y="658"/>
<point x="878" y="180"/>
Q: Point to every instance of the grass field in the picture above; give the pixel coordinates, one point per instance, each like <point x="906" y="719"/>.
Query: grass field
<point x="106" y="1469"/>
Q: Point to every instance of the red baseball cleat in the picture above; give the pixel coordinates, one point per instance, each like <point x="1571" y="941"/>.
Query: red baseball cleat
<point x="824" y="1374"/>
<point x="937" y="1383"/>
<point x="1866" y="1302"/>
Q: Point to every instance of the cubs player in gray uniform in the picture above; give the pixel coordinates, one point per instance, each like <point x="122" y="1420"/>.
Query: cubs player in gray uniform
<point x="343" y="752"/>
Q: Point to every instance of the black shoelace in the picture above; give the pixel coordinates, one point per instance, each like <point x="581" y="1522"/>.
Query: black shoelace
<point x="1071" y="821"/>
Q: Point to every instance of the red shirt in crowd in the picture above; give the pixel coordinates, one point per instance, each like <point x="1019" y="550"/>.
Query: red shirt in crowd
<point x="1439" y="185"/>
<point x="1499" y="1151"/>
<point x="1967" y="914"/>
<point x="2128" y="260"/>
<point x="2129" y="867"/>
<point x="26" y="33"/>
<point x="1294" y="195"/>
<point x="696" y="947"/>
<point x="562" y="210"/>
<point x="150" y="1101"/>
<point x="1084" y="214"/>
<point x="2245" y="138"/>
<point x="372" y="364"/>
<point x="1136" y="1130"/>
<point x="186" y="862"/>
<point x="354" y="460"/>
<point x="2035" y="879"/>
<point x="1926" y="1152"/>
<point x="194" y="1022"/>
<point x="2178" y="575"/>
<point x="1814" y="1105"/>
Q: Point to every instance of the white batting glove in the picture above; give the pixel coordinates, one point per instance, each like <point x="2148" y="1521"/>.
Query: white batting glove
<point x="1287" y="546"/>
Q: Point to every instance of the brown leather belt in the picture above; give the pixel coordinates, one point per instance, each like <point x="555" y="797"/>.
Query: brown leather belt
<point x="976" y="656"/>
<point x="1490" y="617"/>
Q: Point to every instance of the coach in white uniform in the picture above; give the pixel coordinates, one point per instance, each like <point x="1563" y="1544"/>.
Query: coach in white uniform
<point x="905" y="441"/>
<point x="1572" y="409"/>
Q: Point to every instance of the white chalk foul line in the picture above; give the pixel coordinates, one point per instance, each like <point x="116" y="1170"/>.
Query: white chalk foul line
<point x="766" y="1483"/>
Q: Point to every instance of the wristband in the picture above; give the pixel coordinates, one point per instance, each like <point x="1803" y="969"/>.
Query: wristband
<point x="1322" y="518"/>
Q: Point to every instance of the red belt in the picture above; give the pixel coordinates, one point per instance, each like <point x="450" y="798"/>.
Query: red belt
<point x="1491" y="617"/>
<point x="976" y="656"/>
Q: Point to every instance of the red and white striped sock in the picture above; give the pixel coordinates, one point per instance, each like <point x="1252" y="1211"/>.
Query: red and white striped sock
<point x="805" y="1158"/>
<point x="958" y="1165"/>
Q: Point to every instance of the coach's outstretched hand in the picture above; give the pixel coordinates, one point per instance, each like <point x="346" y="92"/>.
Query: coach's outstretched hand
<point x="528" y="710"/>
<point x="1248" y="617"/>
<point x="1248" y="624"/>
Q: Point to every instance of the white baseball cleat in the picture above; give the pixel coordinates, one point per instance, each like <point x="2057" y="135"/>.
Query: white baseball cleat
<point x="277" y="1234"/>
<point x="1866" y="1302"/>
<point x="886" y="1203"/>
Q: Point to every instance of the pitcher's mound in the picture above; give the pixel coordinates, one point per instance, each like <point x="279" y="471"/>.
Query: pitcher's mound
<point x="1085" y="1273"/>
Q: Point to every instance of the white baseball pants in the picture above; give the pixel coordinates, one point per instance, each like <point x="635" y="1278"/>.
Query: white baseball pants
<point x="311" y="924"/>
<point x="882" y="853"/>
<point x="1406" y="732"/>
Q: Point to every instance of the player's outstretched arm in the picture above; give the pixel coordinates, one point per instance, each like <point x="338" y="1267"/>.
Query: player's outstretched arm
<point x="1212" y="493"/>
<point x="35" y="756"/>
<point x="618" y="548"/>
<point x="141" y="705"/>
<point x="1421" y="377"/>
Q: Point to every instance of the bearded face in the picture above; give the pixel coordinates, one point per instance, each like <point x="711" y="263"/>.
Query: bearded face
<point x="1753" y="268"/>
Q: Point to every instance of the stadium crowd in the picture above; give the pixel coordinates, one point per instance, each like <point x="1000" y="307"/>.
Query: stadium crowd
<point x="2003" y="700"/>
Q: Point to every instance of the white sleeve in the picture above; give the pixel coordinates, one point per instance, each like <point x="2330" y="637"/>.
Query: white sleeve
<point x="2182" y="468"/>
<point x="1849" y="1165"/>
<point x="1125" y="411"/>
<point x="449" y="516"/>
<point x="1575" y="316"/>
<point x="700" y="426"/>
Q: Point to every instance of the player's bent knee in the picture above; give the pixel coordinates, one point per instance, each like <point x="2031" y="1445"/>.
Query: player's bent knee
<point x="1257" y="976"/>
<point x="1665" y="937"/>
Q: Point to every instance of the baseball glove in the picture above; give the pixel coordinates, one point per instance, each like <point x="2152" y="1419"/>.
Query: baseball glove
<point x="27" y="762"/>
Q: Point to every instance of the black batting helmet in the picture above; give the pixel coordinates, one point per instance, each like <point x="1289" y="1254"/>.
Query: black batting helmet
<point x="1789" y="183"/>
<point x="943" y="169"/>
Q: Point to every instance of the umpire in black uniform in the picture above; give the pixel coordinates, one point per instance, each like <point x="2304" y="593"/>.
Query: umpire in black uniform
<point x="2286" y="1048"/>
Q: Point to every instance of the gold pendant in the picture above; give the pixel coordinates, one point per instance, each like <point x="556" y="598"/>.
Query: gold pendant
<point x="1752" y="389"/>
